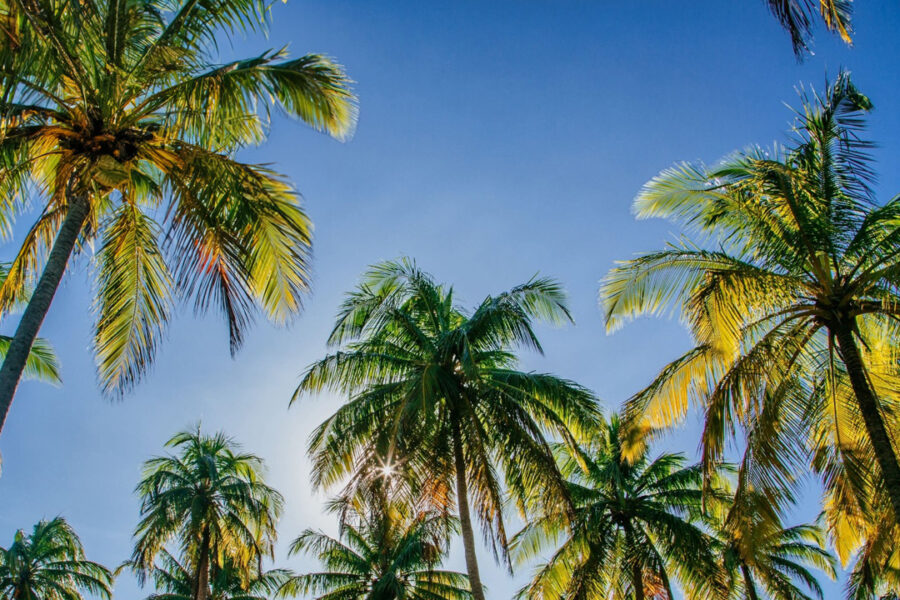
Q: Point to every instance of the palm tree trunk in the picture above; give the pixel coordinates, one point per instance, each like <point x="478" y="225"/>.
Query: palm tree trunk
<point x="39" y="303"/>
<point x="666" y="583"/>
<point x="202" y="591"/>
<point x="465" y="519"/>
<point x="637" y="574"/>
<point x="748" y="583"/>
<point x="868" y="408"/>
<point x="637" y="580"/>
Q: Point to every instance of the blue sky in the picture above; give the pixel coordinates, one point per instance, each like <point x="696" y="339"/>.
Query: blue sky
<point x="496" y="139"/>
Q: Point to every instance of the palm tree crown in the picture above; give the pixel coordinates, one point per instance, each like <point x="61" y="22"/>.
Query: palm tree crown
<point x="636" y="525"/>
<point x="794" y="311"/>
<point x="49" y="564"/>
<point x="434" y="394"/>
<point x="116" y="117"/>
<point x="209" y="500"/>
<point x="390" y="551"/>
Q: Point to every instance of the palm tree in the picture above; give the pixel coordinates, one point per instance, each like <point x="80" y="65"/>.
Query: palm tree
<point x="797" y="16"/>
<point x="434" y="395"/>
<point x="211" y="501"/>
<point x="175" y="581"/>
<point x="114" y="114"/>
<point x="759" y="557"/>
<point x="636" y="526"/>
<point x="801" y="282"/>
<point x="775" y="563"/>
<point x="49" y="564"/>
<point x="390" y="551"/>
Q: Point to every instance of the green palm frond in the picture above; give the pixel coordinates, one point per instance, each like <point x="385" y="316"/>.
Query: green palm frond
<point x="42" y="362"/>
<point x="243" y="238"/>
<point x="134" y="299"/>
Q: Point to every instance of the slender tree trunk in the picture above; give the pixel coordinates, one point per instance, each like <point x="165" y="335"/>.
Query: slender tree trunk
<point x="868" y="408"/>
<point x="666" y="583"/>
<point x="39" y="304"/>
<point x="202" y="590"/>
<point x="637" y="574"/>
<point x="637" y="581"/>
<point x="465" y="519"/>
<point x="748" y="583"/>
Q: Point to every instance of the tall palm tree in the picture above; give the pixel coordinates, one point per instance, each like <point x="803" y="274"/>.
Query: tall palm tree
<point x="636" y="526"/>
<point x="390" y="551"/>
<point x="434" y="394"/>
<point x="800" y="281"/>
<point x="49" y="564"/>
<point x="175" y="581"/>
<point x="797" y="18"/>
<point x="116" y="118"/>
<point x="210" y="501"/>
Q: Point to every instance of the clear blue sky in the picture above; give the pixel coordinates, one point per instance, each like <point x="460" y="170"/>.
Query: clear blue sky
<point x="496" y="139"/>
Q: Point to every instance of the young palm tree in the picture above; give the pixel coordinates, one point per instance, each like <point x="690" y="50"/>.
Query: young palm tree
<point x="775" y="564"/>
<point x="115" y="117"/>
<point x="390" y="551"/>
<point x="210" y="500"/>
<point x="434" y="394"/>
<point x="636" y="526"/>
<point x="759" y="557"/>
<point x="803" y="280"/>
<point x="797" y="17"/>
<point x="49" y="564"/>
<point x="175" y="581"/>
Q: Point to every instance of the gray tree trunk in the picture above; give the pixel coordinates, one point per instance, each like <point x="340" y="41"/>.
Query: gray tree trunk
<point x="868" y="408"/>
<point x="465" y="519"/>
<point x="39" y="303"/>
<point x="637" y="581"/>
<point x="748" y="583"/>
<point x="637" y="573"/>
<point x="202" y="580"/>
